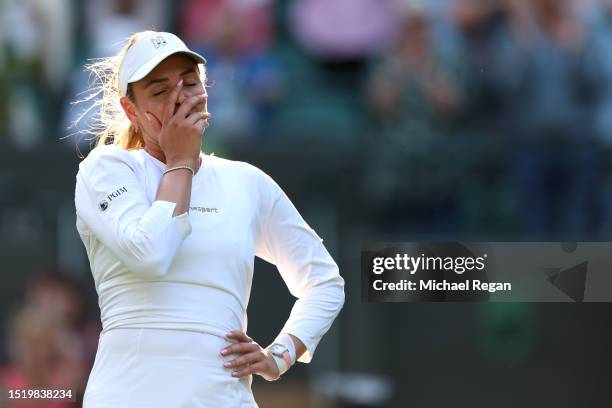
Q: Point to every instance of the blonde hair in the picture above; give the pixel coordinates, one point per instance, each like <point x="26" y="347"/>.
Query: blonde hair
<point x="110" y="123"/>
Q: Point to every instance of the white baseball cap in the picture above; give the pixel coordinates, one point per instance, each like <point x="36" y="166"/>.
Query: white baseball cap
<point x="146" y="53"/>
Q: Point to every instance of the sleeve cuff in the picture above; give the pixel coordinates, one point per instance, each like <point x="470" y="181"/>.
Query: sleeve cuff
<point x="310" y="345"/>
<point x="160" y="215"/>
<point x="184" y="223"/>
<point x="287" y="341"/>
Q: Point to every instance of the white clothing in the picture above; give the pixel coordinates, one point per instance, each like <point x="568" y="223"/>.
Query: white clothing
<point x="193" y="272"/>
<point x="147" y="368"/>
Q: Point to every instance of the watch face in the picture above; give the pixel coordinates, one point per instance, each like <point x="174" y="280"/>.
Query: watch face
<point x="278" y="349"/>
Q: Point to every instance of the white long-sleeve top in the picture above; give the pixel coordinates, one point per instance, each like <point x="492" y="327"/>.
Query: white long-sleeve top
<point x="194" y="271"/>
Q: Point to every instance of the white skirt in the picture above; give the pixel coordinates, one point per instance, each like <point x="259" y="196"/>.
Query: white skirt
<point x="164" y="368"/>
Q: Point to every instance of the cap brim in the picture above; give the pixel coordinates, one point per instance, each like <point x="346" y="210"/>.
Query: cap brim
<point x="150" y="65"/>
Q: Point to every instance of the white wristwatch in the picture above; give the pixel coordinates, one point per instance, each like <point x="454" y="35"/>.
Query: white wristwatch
<point x="281" y="356"/>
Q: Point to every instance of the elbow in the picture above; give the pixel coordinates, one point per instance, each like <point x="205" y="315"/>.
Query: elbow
<point x="150" y="258"/>
<point x="341" y="296"/>
<point x="154" y="266"/>
<point x="333" y="293"/>
<point x="150" y="247"/>
<point x="336" y="285"/>
<point x="148" y="262"/>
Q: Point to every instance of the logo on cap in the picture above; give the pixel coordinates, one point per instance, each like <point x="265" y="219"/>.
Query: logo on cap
<point x="158" y="41"/>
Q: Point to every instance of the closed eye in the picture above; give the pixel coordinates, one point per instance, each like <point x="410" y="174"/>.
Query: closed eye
<point x="161" y="92"/>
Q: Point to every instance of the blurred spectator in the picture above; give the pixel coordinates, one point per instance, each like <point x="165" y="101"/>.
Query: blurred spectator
<point x="599" y="60"/>
<point x="62" y="297"/>
<point x="202" y="21"/>
<point x="414" y="101"/>
<point x="488" y="52"/>
<point x="57" y="295"/>
<point x="491" y="61"/>
<point x="106" y="26"/>
<point x="36" y="40"/>
<point x="109" y="23"/>
<point x="39" y="34"/>
<point x="246" y="79"/>
<point x="44" y="354"/>
<point x="52" y="339"/>
<point x="555" y="91"/>
<point x="344" y="29"/>
<point x="412" y="88"/>
<point x="338" y="38"/>
<point x="557" y="163"/>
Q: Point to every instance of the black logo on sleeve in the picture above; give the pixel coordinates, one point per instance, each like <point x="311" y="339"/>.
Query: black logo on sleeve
<point x="105" y="203"/>
<point x="116" y="194"/>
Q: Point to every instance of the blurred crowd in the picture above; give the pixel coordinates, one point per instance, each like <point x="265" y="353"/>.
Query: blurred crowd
<point x="51" y="341"/>
<point x="479" y="119"/>
<point x="468" y="115"/>
<point x="499" y="116"/>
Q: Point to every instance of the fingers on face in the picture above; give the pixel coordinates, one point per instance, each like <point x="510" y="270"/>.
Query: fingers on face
<point x="172" y="100"/>
<point x="184" y="96"/>
<point x="200" y="119"/>
<point x="153" y="121"/>
<point x="188" y="105"/>
<point x="196" y="115"/>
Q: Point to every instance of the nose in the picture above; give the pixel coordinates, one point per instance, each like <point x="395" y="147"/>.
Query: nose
<point x="179" y="101"/>
<point x="183" y="96"/>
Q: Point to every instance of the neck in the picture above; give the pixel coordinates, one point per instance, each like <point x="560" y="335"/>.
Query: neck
<point x="156" y="152"/>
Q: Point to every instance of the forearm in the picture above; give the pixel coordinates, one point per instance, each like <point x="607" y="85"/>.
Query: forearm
<point x="175" y="186"/>
<point x="313" y="314"/>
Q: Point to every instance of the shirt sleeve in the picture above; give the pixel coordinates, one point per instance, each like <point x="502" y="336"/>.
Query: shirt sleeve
<point x="309" y="272"/>
<point x="112" y="203"/>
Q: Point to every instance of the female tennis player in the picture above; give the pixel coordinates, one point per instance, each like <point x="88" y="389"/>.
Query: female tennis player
<point x="171" y="234"/>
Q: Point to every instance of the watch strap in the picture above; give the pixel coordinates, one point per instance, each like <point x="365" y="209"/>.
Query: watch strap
<point x="281" y="356"/>
<point x="285" y="340"/>
<point x="281" y="363"/>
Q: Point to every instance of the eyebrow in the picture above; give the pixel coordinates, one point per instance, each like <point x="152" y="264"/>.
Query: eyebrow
<point x="164" y="79"/>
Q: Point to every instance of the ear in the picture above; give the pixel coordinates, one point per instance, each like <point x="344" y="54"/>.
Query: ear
<point x="129" y="109"/>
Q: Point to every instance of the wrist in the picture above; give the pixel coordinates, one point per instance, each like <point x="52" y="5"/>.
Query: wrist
<point x="286" y="340"/>
<point x="280" y="355"/>
<point x="177" y="168"/>
<point x="182" y="161"/>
